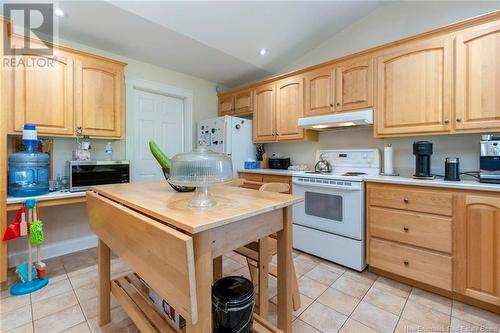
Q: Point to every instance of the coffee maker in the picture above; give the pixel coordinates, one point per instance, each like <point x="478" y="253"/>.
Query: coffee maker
<point x="489" y="162"/>
<point x="422" y="151"/>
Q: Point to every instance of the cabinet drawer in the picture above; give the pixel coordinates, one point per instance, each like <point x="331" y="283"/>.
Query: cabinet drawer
<point x="407" y="198"/>
<point x="253" y="177"/>
<point x="429" y="231"/>
<point x="275" y="179"/>
<point x="420" y="265"/>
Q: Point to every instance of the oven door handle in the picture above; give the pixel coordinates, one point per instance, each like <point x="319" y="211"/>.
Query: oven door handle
<point x="340" y="187"/>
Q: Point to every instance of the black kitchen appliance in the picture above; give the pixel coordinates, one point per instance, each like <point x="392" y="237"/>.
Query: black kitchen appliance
<point x="452" y="169"/>
<point x="489" y="161"/>
<point x="85" y="174"/>
<point x="422" y="151"/>
<point x="279" y="162"/>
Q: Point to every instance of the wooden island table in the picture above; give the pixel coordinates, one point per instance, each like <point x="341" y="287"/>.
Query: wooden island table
<point x="177" y="250"/>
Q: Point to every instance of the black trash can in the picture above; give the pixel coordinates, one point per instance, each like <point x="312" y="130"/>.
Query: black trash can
<point x="232" y="302"/>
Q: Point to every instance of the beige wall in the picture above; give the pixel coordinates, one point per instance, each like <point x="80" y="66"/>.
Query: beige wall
<point x="386" y="24"/>
<point x="392" y="22"/>
<point x="464" y="146"/>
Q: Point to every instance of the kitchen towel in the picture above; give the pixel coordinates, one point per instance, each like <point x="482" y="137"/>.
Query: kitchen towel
<point x="388" y="160"/>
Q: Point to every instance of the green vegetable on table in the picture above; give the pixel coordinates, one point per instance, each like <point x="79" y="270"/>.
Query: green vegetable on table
<point x="159" y="155"/>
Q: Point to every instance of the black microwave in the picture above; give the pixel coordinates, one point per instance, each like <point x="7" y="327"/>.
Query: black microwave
<point x="84" y="174"/>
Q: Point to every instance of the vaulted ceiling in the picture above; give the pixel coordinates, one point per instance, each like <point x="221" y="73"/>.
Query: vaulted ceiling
<point x="217" y="41"/>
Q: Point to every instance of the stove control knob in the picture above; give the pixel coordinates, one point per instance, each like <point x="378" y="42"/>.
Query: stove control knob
<point x="496" y="151"/>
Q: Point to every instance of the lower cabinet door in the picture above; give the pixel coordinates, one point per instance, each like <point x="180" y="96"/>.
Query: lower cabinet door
<point x="477" y="257"/>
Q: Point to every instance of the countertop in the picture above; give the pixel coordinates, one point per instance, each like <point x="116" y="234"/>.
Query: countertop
<point x="438" y="182"/>
<point x="277" y="172"/>
<point x="160" y="201"/>
<point x="50" y="196"/>
<point x="467" y="184"/>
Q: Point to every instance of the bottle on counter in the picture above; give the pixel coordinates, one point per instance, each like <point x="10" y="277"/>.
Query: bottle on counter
<point x="108" y="151"/>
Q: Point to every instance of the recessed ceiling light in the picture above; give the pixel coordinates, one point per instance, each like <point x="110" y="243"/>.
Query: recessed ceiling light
<point x="262" y="51"/>
<point x="59" y="12"/>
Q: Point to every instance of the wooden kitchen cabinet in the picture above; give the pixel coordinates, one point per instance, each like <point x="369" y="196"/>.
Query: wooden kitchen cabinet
<point x="74" y="89"/>
<point x="409" y="233"/>
<point x="289" y="108"/>
<point x="264" y="115"/>
<point x="477" y="83"/>
<point x="414" y="88"/>
<point x="354" y="85"/>
<point x="477" y="258"/>
<point x="99" y="97"/>
<point x="278" y="107"/>
<point x="319" y="92"/>
<point x="256" y="180"/>
<point x="441" y="239"/>
<point x="44" y="95"/>
<point x="243" y="102"/>
<point x="237" y="104"/>
<point x="226" y="105"/>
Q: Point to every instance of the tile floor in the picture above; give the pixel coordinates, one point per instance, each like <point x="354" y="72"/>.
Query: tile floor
<point x="334" y="299"/>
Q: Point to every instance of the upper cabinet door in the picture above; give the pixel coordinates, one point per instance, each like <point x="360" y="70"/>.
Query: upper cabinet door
<point x="478" y="78"/>
<point x="477" y="257"/>
<point x="319" y="91"/>
<point x="289" y="108"/>
<point x="264" y="115"/>
<point x="44" y="95"/>
<point x="99" y="98"/>
<point x="354" y="85"/>
<point x="243" y="102"/>
<point x="226" y="105"/>
<point x="414" y="88"/>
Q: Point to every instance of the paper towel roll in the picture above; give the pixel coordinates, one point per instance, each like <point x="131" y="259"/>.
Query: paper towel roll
<point x="388" y="160"/>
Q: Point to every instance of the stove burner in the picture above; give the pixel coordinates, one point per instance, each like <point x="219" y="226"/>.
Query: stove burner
<point x="354" y="174"/>
<point x="319" y="172"/>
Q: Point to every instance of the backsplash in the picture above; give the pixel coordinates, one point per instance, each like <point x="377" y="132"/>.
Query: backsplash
<point x="464" y="146"/>
<point x="63" y="152"/>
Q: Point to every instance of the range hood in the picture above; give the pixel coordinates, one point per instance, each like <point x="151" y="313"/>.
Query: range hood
<point x="338" y="120"/>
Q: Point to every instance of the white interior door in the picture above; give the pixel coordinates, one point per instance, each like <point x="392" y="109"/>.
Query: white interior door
<point x="154" y="117"/>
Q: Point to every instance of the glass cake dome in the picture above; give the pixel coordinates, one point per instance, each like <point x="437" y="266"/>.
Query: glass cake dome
<point x="201" y="168"/>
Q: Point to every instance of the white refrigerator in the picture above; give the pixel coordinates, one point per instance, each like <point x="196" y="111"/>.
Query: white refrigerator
<point x="230" y="135"/>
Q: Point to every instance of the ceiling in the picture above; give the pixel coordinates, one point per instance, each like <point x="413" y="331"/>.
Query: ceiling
<point x="217" y="41"/>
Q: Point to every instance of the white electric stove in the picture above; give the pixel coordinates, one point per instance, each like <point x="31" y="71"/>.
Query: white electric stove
<point x="329" y="223"/>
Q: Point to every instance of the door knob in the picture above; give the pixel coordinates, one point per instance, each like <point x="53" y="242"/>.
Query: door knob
<point x="406" y="200"/>
<point x="331" y="105"/>
<point x="446" y="121"/>
<point x="406" y="229"/>
<point x="406" y="262"/>
<point x="459" y="120"/>
<point x="338" y="103"/>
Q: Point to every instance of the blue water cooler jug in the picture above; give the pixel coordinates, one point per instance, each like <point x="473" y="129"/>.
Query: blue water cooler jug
<point x="28" y="170"/>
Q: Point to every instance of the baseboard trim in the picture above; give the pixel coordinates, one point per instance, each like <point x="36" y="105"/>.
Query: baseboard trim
<point x="55" y="249"/>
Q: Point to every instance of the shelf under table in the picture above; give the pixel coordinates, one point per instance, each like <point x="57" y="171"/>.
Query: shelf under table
<point x="132" y="293"/>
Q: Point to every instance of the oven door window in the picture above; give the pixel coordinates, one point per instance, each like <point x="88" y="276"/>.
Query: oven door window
<point x="327" y="206"/>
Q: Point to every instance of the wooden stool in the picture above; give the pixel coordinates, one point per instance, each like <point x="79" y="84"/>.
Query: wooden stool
<point x="259" y="255"/>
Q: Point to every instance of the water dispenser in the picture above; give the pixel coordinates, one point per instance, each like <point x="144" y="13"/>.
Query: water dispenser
<point x="29" y="169"/>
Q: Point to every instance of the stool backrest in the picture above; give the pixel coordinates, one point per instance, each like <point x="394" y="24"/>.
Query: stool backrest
<point x="236" y="182"/>
<point x="275" y="187"/>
